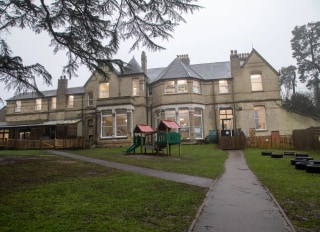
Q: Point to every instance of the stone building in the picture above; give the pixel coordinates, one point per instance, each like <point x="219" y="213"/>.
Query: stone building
<point x="224" y="97"/>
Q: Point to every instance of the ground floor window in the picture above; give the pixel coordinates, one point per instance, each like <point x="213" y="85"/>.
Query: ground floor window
<point x="114" y="124"/>
<point x="190" y="120"/>
<point x="260" y="118"/>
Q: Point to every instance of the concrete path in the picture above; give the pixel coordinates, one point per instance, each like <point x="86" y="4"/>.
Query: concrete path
<point x="192" y="180"/>
<point x="238" y="202"/>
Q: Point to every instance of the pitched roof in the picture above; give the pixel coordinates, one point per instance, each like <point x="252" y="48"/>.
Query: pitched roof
<point x="142" y="128"/>
<point x="132" y="67"/>
<point x="46" y="93"/>
<point x="167" y="124"/>
<point x="177" y="69"/>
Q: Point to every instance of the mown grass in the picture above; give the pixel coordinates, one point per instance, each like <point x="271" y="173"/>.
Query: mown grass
<point x="43" y="192"/>
<point x="297" y="191"/>
<point x="200" y="160"/>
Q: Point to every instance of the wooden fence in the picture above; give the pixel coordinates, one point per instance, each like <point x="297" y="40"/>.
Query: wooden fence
<point x="275" y="142"/>
<point x="307" y="139"/>
<point x="70" y="143"/>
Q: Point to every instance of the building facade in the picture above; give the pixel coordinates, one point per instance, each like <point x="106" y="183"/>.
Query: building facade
<point x="240" y="94"/>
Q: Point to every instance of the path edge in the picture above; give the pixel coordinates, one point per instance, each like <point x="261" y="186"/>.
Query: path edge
<point x="195" y="220"/>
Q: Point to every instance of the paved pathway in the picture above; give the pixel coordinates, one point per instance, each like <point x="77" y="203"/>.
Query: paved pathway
<point x="238" y="202"/>
<point x="192" y="180"/>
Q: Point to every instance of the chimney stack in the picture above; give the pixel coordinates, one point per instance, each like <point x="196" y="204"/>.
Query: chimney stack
<point x="184" y="58"/>
<point x="144" y="62"/>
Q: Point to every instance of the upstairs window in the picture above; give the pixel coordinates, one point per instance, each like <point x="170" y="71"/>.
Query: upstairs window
<point x="256" y="82"/>
<point x="90" y="99"/>
<point x="53" y="103"/>
<point x="70" y="101"/>
<point x="38" y="104"/>
<point x="176" y="86"/>
<point x="135" y="85"/>
<point x="104" y="90"/>
<point x="223" y="86"/>
<point x="196" y="87"/>
<point x="260" y="118"/>
<point x="17" y="107"/>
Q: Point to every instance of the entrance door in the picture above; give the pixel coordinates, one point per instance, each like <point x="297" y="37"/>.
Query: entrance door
<point x="226" y="122"/>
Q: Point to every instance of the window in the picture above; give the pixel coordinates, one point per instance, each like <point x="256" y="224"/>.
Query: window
<point x="177" y="86"/>
<point x="184" y="123"/>
<point x="197" y="124"/>
<point x="104" y="90"/>
<point x="226" y="119"/>
<point x="38" y="105"/>
<point x="70" y="101"/>
<point x="135" y="84"/>
<point x="223" y="86"/>
<point x="114" y="124"/>
<point x="256" y="82"/>
<point x="170" y="87"/>
<point x="182" y="86"/>
<point x="196" y="87"/>
<point x="53" y="103"/>
<point x="121" y="124"/>
<point x="90" y="99"/>
<point x="260" y="118"/>
<point x="17" y="107"/>
<point x="106" y="124"/>
<point x="170" y="114"/>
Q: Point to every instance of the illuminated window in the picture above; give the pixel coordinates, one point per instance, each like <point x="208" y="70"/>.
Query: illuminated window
<point x="114" y="124"/>
<point x="135" y="89"/>
<point x="256" y="82"/>
<point x="104" y="90"/>
<point x="260" y="118"/>
<point x="70" y="101"/>
<point x="17" y="107"/>
<point x="223" y="86"/>
<point x="184" y="123"/>
<point x="177" y="86"/>
<point x="53" y="103"/>
<point x="38" y="104"/>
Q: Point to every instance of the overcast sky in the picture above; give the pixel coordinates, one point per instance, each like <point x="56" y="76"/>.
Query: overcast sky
<point x="208" y="36"/>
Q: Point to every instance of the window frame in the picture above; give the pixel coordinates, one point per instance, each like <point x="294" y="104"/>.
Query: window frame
<point x="103" y="94"/>
<point x="90" y="99"/>
<point x="53" y="105"/>
<point x="196" y="86"/>
<point x="223" y="87"/>
<point x="70" y="101"/>
<point x="18" y="106"/>
<point x="256" y="82"/>
<point x="38" y="104"/>
<point x="259" y="116"/>
<point x="178" y="86"/>
<point x="135" y="87"/>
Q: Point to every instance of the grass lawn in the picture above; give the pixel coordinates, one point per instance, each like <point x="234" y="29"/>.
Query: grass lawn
<point x="43" y="192"/>
<point x="199" y="160"/>
<point x="297" y="191"/>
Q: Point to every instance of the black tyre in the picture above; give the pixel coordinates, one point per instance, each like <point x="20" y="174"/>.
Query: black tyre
<point x="266" y="153"/>
<point x="301" y="165"/>
<point x="313" y="168"/>
<point x="302" y="154"/>
<point x="276" y="155"/>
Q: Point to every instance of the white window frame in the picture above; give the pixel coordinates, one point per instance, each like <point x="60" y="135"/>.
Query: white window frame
<point x="196" y="86"/>
<point x="198" y="130"/>
<point x="260" y="121"/>
<point x="256" y="82"/>
<point x="90" y="99"/>
<point x="176" y="86"/>
<point x="115" y="126"/>
<point x="184" y="122"/>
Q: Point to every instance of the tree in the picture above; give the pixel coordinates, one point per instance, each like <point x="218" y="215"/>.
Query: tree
<point x="306" y="50"/>
<point x="288" y="79"/>
<point x="89" y="31"/>
<point x="302" y="103"/>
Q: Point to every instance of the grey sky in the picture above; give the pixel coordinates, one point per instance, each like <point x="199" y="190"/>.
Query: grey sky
<point x="208" y="36"/>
